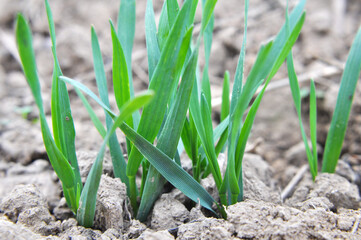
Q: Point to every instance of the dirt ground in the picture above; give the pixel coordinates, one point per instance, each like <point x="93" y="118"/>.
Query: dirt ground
<point x="320" y="53"/>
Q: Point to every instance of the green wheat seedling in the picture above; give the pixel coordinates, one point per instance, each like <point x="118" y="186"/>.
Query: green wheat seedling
<point x="171" y="57"/>
<point x="232" y="133"/>
<point x="178" y="91"/>
<point x="337" y="131"/>
<point x="60" y="146"/>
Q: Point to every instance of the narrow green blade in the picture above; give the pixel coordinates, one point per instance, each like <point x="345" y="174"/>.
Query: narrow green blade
<point x="163" y="79"/>
<point x="207" y="32"/>
<point x="224" y="112"/>
<point x="126" y="31"/>
<point x="87" y="202"/>
<point x="207" y="14"/>
<point x="61" y="166"/>
<point x="120" y="73"/>
<point x="163" y="26"/>
<point x="225" y="97"/>
<point x="172" y="11"/>
<point x="230" y="183"/>
<point x="170" y="170"/>
<point x="267" y="64"/>
<point x="313" y="124"/>
<point x="86" y="90"/>
<point x="119" y="164"/>
<point x="297" y="100"/>
<point x="63" y="125"/>
<point x="169" y="137"/>
<point x="96" y="121"/>
<point x="342" y="111"/>
<point x="151" y="39"/>
<point x="207" y="143"/>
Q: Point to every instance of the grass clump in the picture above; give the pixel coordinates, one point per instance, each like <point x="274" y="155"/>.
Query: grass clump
<point x="60" y="145"/>
<point x="337" y="131"/>
<point x="179" y="109"/>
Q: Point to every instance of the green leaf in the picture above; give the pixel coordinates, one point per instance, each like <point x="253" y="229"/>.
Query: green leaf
<point x="313" y="124"/>
<point x="119" y="164"/>
<point x="126" y="31"/>
<point x="120" y="74"/>
<point x="87" y="202"/>
<point x="207" y="142"/>
<point x="86" y="90"/>
<point x="163" y="26"/>
<point x="207" y="14"/>
<point x="225" y="97"/>
<point x="61" y="166"/>
<point x="63" y="126"/>
<point x="342" y="111"/>
<point x="230" y="184"/>
<point x="96" y="121"/>
<point x="163" y="79"/>
<point x="170" y="170"/>
<point x="297" y="100"/>
<point x="172" y="11"/>
<point x="169" y="137"/>
<point x="151" y="39"/>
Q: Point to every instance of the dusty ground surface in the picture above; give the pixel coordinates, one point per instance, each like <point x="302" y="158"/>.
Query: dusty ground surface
<point x="312" y="210"/>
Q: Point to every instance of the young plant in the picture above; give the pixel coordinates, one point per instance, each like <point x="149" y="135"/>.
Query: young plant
<point x="341" y="113"/>
<point x="198" y="135"/>
<point x="61" y="148"/>
<point x="170" y="55"/>
<point x="170" y="58"/>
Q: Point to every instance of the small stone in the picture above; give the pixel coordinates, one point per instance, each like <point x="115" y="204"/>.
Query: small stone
<point x="68" y="224"/>
<point x="111" y="233"/>
<point x="208" y="228"/>
<point x="150" y="235"/>
<point x="317" y="202"/>
<point x="345" y="223"/>
<point x="135" y="230"/>
<point x="168" y="213"/>
<point x="10" y="230"/>
<point x="344" y="169"/>
<point x="86" y="160"/>
<point x="62" y="211"/>
<point x="337" y="189"/>
<point x="26" y="205"/>
<point x="109" y="213"/>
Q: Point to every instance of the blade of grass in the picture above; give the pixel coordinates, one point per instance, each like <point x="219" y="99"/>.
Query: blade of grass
<point x="151" y="39"/>
<point x="225" y="97"/>
<point x="172" y="11"/>
<point x="163" y="79"/>
<point x="170" y="170"/>
<point x="270" y="59"/>
<point x="62" y="120"/>
<point x="61" y="166"/>
<point x="297" y="99"/>
<point x="207" y="143"/>
<point x="224" y="112"/>
<point x="233" y="129"/>
<point x="163" y="26"/>
<point x="342" y="111"/>
<point x="296" y="94"/>
<point x="169" y="137"/>
<point x="119" y="164"/>
<point x="313" y="123"/>
<point x="96" y="121"/>
<point x="120" y="73"/>
<point x="88" y="197"/>
<point x="125" y="32"/>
